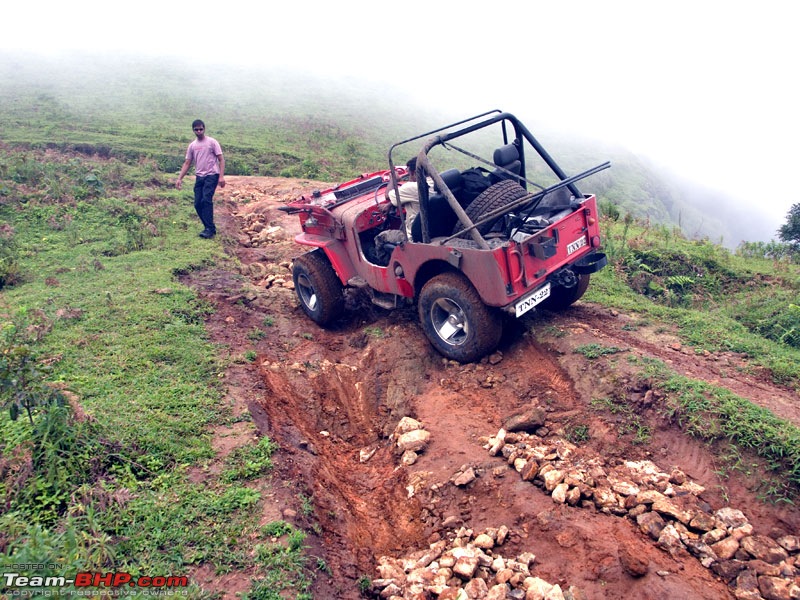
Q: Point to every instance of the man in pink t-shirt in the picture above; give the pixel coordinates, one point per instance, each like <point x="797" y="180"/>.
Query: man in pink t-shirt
<point x="209" y="169"/>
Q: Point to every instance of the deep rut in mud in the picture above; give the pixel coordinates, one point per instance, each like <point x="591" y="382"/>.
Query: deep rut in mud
<point x="332" y="398"/>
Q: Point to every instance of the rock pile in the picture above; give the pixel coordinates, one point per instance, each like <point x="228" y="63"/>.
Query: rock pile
<point x="411" y="439"/>
<point x="256" y="227"/>
<point x="464" y="567"/>
<point x="666" y="507"/>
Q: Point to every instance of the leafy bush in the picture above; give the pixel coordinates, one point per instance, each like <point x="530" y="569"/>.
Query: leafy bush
<point x="771" y="314"/>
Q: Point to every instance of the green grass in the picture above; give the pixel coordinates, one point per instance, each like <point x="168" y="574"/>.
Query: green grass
<point x="99" y="310"/>
<point x="249" y="462"/>
<point x="593" y="351"/>
<point x="629" y="420"/>
<point x="719" y="302"/>
<point x="734" y="303"/>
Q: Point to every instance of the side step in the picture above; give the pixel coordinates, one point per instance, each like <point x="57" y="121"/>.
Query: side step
<point x="358" y="282"/>
<point x="387" y="301"/>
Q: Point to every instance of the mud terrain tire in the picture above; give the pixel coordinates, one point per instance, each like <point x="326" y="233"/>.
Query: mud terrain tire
<point x="455" y="319"/>
<point x="562" y="298"/>
<point x="318" y="287"/>
<point x="492" y="198"/>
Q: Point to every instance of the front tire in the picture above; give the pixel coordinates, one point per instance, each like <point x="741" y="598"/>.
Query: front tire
<point x="455" y="319"/>
<point x="318" y="287"/>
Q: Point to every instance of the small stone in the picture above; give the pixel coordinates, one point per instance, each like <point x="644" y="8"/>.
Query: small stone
<point x="726" y="548"/>
<point x="365" y="454"/>
<point x="465" y="566"/>
<point x="633" y="563"/>
<point x="764" y="548"/>
<point x="416" y="440"/>
<point x="409" y="458"/>
<point x="405" y="425"/>
<point x="464" y="478"/>
<point x="529" y="420"/>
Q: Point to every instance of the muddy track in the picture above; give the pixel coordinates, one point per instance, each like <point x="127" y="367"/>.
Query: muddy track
<point x="332" y="398"/>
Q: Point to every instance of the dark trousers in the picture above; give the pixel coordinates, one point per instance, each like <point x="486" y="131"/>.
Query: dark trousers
<point x="204" y="188"/>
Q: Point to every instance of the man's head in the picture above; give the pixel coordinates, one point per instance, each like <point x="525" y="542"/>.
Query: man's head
<point x="411" y="165"/>
<point x="199" y="128"/>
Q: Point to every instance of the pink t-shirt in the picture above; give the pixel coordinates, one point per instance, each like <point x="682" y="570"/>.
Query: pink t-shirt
<point x="204" y="154"/>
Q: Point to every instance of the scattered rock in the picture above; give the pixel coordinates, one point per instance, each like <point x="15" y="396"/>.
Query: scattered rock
<point x="365" y="454"/>
<point x="409" y="458"/>
<point x="528" y="420"/>
<point x="464" y="478"/>
<point x="415" y="441"/>
<point x="665" y="506"/>
<point x="632" y="562"/>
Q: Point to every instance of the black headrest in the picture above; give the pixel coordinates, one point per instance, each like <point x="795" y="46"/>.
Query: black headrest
<point x="451" y="178"/>
<point x="505" y="155"/>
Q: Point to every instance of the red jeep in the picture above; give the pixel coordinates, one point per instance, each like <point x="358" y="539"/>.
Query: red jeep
<point x="485" y="241"/>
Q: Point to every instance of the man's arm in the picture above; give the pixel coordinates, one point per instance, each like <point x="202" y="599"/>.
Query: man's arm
<point x="184" y="169"/>
<point x="221" y="170"/>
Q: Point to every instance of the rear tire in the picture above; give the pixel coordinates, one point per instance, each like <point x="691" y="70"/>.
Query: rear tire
<point x="490" y="199"/>
<point x="318" y="287"/>
<point x="562" y="298"/>
<point x="455" y="319"/>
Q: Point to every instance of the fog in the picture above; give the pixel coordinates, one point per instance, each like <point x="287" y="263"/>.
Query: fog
<point x="703" y="89"/>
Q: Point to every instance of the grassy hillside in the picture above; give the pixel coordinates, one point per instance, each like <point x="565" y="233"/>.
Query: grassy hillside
<point x="93" y="238"/>
<point x="286" y="123"/>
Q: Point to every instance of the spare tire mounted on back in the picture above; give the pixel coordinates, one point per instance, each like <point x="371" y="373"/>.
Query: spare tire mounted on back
<point x="496" y="196"/>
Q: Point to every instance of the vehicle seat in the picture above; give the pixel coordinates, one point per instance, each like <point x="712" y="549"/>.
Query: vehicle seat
<point x="507" y="158"/>
<point x="441" y="218"/>
<point x="452" y="179"/>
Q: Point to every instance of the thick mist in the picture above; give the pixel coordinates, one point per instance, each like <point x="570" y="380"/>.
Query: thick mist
<point x="129" y="87"/>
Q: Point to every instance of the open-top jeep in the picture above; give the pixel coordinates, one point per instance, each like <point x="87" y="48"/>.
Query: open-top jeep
<point x="472" y="254"/>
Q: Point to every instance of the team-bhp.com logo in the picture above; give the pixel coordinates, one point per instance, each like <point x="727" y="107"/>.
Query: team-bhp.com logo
<point x="19" y="583"/>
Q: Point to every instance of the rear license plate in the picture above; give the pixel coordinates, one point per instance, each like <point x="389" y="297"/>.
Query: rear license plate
<point x="576" y="245"/>
<point x="531" y="300"/>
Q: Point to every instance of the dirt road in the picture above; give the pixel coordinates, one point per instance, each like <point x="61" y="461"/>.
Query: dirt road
<point x="332" y="399"/>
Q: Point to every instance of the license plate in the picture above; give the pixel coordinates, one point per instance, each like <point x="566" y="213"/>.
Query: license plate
<point x="576" y="245"/>
<point x="527" y="303"/>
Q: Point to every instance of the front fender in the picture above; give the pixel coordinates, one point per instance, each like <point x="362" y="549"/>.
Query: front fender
<point x="334" y="250"/>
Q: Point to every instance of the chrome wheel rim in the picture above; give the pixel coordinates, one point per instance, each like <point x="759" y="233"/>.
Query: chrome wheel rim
<point x="449" y="321"/>
<point x="305" y="289"/>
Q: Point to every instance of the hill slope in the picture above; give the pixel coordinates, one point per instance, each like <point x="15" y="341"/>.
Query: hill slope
<point x="292" y="124"/>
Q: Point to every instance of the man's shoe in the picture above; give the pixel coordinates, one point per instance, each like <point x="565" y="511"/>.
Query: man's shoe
<point x="206" y="234"/>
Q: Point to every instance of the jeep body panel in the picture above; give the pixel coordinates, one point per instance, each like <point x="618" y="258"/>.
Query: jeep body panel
<point x="508" y="249"/>
<point x="501" y="275"/>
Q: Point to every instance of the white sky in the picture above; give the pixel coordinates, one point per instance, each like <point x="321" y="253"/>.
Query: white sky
<point x="707" y="88"/>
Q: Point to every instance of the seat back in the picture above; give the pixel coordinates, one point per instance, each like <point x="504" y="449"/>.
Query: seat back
<point x="441" y="218"/>
<point x="507" y="158"/>
<point x="452" y="179"/>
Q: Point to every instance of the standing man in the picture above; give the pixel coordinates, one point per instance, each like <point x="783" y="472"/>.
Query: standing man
<point x="209" y="170"/>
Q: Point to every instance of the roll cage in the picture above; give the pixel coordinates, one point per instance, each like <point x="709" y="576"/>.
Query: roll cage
<point x="507" y="121"/>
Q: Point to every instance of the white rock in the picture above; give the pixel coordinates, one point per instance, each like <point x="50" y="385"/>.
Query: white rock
<point x="405" y="425"/>
<point x="415" y="440"/>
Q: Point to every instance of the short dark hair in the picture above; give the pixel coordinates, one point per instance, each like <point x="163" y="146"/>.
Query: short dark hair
<point x="412" y="164"/>
<point x="198" y="123"/>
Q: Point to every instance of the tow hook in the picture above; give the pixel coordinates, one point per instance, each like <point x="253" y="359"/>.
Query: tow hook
<point x="566" y="278"/>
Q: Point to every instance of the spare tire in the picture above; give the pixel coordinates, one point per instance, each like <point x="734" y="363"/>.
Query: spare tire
<point x="492" y="198"/>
